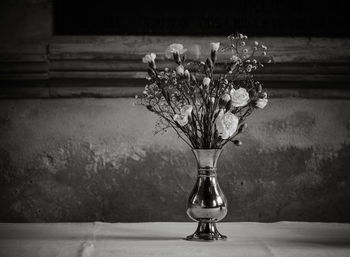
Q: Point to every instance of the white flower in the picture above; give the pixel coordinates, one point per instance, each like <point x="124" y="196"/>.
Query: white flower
<point x="215" y="46"/>
<point x="261" y="103"/>
<point x="235" y="58"/>
<point x="263" y="47"/>
<point x="226" y="124"/>
<point x="256" y="43"/>
<point x="174" y="48"/>
<point x="182" y="120"/>
<point x="186" y="110"/>
<point x="180" y="70"/>
<point x="149" y="58"/>
<point x="206" y="81"/>
<point x="239" y="97"/>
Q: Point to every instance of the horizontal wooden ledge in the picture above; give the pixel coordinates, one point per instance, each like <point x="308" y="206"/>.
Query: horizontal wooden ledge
<point x="142" y="75"/>
<point x="119" y="92"/>
<point x="130" y="65"/>
<point x="284" y="49"/>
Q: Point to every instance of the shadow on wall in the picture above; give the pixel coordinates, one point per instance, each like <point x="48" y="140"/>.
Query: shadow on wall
<point x="79" y="186"/>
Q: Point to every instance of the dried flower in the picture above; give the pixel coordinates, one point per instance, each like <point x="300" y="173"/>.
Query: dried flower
<point x="261" y="103"/>
<point x="224" y="99"/>
<point x="186" y="110"/>
<point x="239" y="97"/>
<point x="235" y="58"/>
<point x="180" y="70"/>
<point x="226" y="124"/>
<point x="182" y="120"/>
<point x="148" y="58"/>
<point x="215" y="46"/>
<point x="175" y="49"/>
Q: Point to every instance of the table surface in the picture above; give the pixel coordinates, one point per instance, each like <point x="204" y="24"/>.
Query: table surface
<point x="167" y="239"/>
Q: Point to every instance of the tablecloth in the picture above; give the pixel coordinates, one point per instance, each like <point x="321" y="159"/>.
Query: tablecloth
<point x="167" y="239"/>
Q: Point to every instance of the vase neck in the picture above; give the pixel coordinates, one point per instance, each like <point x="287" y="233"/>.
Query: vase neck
<point x="206" y="160"/>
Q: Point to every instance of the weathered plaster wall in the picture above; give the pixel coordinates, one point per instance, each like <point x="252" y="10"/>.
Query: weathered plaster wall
<point x="97" y="159"/>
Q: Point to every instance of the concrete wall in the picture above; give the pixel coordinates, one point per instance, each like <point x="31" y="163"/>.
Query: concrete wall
<point x="97" y="159"/>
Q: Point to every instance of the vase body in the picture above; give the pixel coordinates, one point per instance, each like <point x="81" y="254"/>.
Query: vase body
<point x="207" y="204"/>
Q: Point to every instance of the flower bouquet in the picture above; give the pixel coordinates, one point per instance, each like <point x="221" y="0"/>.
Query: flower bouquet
<point x="207" y="103"/>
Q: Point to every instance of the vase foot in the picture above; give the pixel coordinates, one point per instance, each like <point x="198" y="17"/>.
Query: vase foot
<point x="206" y="231"/>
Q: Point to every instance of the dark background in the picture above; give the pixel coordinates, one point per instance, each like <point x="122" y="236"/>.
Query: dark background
<point x="255" y="18"/>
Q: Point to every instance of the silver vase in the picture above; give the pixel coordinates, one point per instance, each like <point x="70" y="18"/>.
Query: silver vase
<point x="207" y="204"/>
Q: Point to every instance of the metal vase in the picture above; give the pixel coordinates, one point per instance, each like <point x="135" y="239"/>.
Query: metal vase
<point x="207" y="204"/>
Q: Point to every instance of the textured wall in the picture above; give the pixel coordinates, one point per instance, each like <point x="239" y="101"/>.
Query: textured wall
<point x="97" y="159"/>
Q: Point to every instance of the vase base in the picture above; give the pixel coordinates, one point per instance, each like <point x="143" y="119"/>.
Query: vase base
<point x="206" y="231"/>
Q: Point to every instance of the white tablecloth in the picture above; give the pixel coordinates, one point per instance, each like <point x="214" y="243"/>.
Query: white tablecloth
<point x="166" y="239"/>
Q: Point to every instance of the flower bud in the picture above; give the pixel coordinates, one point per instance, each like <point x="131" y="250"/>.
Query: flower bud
<point x="259" y="88"/>
<point x="206" y="81"/>
<point x="193" y="77"/>
<point x="187" y="75"/>
<point x="237" y="142"/>
<point x="177" y="58"/>
<point x="214" y="49"/>
<point x="242" y="128"/>
<point x="151" y="72"/>
<point x="224" y="99"/>
<point x="228" y="105"/>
